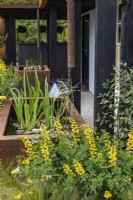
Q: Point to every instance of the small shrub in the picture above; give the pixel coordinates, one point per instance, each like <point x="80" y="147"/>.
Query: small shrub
<point x="8" y="79"/>
<point x="118" y="99"/>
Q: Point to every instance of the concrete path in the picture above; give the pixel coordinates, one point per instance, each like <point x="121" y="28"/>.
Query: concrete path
<point x="87" y="107"/>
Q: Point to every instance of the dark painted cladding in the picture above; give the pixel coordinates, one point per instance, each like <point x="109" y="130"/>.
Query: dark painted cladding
<point x="29" y="50"/>
<point x="51" y="40"/>
<point x="11" y="41"/>
<point x="127" y="32"/>
<point x="59" y="5"/>
<point x="105" y="46"/>
<point x="76" y="72"/>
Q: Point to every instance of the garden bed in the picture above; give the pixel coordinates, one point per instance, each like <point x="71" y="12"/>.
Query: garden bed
<point x="10" y="145"/>
<point x="42" y="74"/>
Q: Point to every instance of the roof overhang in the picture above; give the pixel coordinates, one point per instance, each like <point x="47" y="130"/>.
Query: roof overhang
<point x="39" y="4"/>
<point x="42" y="3"/>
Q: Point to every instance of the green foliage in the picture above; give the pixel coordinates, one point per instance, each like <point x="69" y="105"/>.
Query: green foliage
<point x="110" y="101"/>
<point x="62" y="37"/>
<point x="28" y="111"/>
<point x="3" y="40"/>
<point x="38" y="106"/>
<point x="79" y="159"/>
<point x="14" y="189"/>
<point x="31" y="34"/>
<point x="18" y="2"/>
<point x="52" y="107"/>
<point x="8" y="79"/>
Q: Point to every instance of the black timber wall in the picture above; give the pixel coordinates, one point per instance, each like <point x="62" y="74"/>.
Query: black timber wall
<point x="29" y="50"/>
<point x="127" y="32"/>
<point x="105" y="48"/>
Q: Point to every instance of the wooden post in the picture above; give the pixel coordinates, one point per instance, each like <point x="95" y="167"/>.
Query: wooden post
<point x="42" y="3"/>
<point x="52" y="41"/>
<point x="76" y="71"/>
<point x="105" y="48"/>
<point x="71" y="33"/>
<point x="2" y="33"/>
<point x="2" y="26"/>
<point x="11" y="41"/>
<point x="38" y="36"/>
<point x="71" y="38"/>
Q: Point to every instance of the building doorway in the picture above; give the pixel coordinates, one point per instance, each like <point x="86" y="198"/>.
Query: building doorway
<point x="88" y="66"/>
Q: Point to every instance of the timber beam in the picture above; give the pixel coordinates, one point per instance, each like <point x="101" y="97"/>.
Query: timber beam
<point x="42" y="3"/>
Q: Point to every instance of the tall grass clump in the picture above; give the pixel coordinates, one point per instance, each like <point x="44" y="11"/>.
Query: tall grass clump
<point x="26" y="103"/>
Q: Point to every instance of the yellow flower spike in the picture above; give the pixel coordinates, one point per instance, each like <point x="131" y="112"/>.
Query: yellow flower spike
<point x="3" y="98"/>
<point x="45" y="150"/>
<point x="128" y="179"/>
<point x="113" y="156"/>
<point x="57" y="126"/>
<point x="68" y="170"/>
<point x="31" y="154"/>
<point x="2" y="66"/>
<point x="19" y="196"/>
<point x="78" y="167"/>
<point x="44" y="146"/>
<point x="44" y="132"/>
<point x="29" y="181"/>
<point x="107" y="195"/>
<point x="100" y="156"/>
<point x="130" y="141"/>
<point x="74" y="126"/>
<point x="27" y="144"/>
<point x="30" y="193"/>
<point x="46" y="177"/>
<point x="90" y="138"/>
<point x="107" y="140"/>
<point x="26" y="161"/>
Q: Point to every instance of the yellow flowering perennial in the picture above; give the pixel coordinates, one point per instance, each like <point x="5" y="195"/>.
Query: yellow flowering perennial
<point x="78" y="167"/>
<point x="26" y="161"/>
<point x="30" y="193"/>
<point x="46" y="177"/>
<point x="113" y="156"/>
<point x="74" y="126"/>
<point x="107" y="195"/>
<point x="29" y="181"/>
<point x="27" y="144"/>
<point x="29" y="150"/>
<point x="44" y="145"/>
<point x="2" y="65"/>
<point x="68" y="170"/>
<point x="58" y="127"/>
<point x="19" y="196"/>
<point x="128" y="179"/>
<point x="2" y="98"/>
<point x="91" y="139"/>
<point x="130" y="141"/>
<point x="107" y="140"/>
